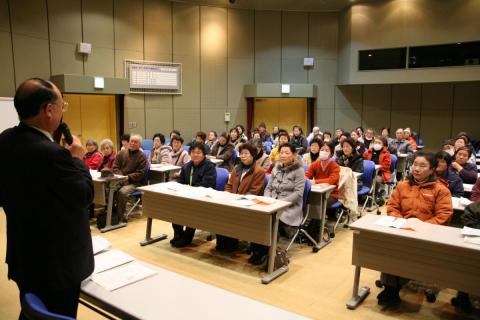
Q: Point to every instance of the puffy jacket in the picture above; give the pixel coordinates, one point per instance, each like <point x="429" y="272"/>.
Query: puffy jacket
<point x="384" y="161"/>
<point x="252" y="181"/>
<point x="429" y="201"/>
<point x="330" y="175"/>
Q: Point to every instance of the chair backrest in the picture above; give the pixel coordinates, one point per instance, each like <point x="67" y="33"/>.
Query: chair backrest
<point x="234" y="156"/>
<point x="147" y="154"/>
<point x="186" y="148"/>
<point x="34" y="308"/>
<point x="268" y="147"/>
<point x="147" y="144"/>
<point x="393" y="163"/>
<point x="144" y="181"/>
<point x="222" y="178"/>
<point x="267" y="179"/>
<point x="368" y="172"/>
<point x="306" y="193"/>
<point x="420" y="141"/>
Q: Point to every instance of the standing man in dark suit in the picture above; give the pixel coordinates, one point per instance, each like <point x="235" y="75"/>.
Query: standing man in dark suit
<point x="45" y="190"/>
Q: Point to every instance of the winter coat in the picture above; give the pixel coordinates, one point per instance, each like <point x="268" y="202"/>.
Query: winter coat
<point x="224" y="153"/>
<point x="252" y="181"/>
<point x="330" y="175"/>
<point x="384" y="161"/>
<point x="263" y="160"/>
<point x="161" y="155"/>
<point x="288" y="184"/>
<point x="202" y="175"/>
<point x="453" y="182"/>
<point x="93" y="160"/>
<point x="179" y="158"/>
<point x="299" y="142"/>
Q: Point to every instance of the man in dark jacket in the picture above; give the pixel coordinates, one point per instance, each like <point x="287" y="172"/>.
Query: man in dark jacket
<point x="49" y="247"/>
<point x="199" y="172"/>
<point x="449" y="178"/>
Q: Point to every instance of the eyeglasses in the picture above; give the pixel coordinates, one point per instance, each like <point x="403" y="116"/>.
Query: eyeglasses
<point x="64" y="106"/>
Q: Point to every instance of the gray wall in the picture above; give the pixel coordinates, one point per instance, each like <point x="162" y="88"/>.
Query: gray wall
<point x="220" y="49"/>
<point x="437" y="111"/>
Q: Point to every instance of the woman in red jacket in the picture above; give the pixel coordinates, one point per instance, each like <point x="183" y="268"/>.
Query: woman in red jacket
<point x="108" y="152"/>
<point x="92" y="157"/>
<point x="323" y="171"/>
<point x="379" y="154"/>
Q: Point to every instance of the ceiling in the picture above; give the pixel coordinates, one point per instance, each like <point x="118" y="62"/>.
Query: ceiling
<point x="286" y="5"/>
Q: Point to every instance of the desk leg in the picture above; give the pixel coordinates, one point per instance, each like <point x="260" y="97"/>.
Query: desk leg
<point x="148" y="235"/>
<point x="108" y="222"/>
<point x="323" y="206"/>
<point x="272" y="251"/>
<point x="358" y="295"/>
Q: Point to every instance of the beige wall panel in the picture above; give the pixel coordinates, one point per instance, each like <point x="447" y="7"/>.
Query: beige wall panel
<point x="376" y="108"/>
<point x="437" y="96"/>
<point x="158" y="120"/>
<point x="467" y="96"/>
<point x="156" y="101"/>
<point x="158" y="56"/>
<point x="325" y="96"/>
<point x="7" y="84"/>
<point x="190" y="98"/>
<point x="240" y="33"/>
<point x="323" y="35"/>
<point x="31" y="58"/>
<point x="135" y="115"/>
<point x="213" y="119"/>
<point x="135" y="101"/>
<point x="65" y="58"/>
<point x="101" y="62"/>
<point x="267" y="70"/>
<point x="187" y="121"/>
<point x="29" y="18"/>
<point x="403" y="118"/>
<point x="435" y="127"/>
<point x="294" y="35"/>
<point x="121" y="56"/>
<point x="65" y="21"/>
<point x="406" y="106"/>
<point x="293" y="71"/>
<point x="213" y="32"/>
<point x="186" y="32"/>
<point x="4" y="16"/>
<point x="466" y="120"/>
<point x="98" y="23"/>
<point x="268" y="40"/>
<point x="214" y="83"/>
<point x="158" y="29"/>
<point x="129" y="25"/>
<point x="240" y="73"/>
<point x="348" y="96"/>
<point x="238" y="116"/>
<point x="348" y="118"/>
<point x="325" y="119"/>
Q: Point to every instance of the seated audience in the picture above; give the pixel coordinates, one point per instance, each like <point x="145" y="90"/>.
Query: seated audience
<point x="247" y="177"/>
<point x="125" y="140"/>
<point x="476" y="191"/>
<point x="287" y="183"/>
<point x="223" y="150"/>
<point x="423" y="197"/>
<point x="338" y="134"/>
<point x="445" y="174"/>
<point x="399" y="145"/>
<point x="108" y="152"/>
<point x="201" y="137"/>
<point x="378" y="153"/>
<point x="235" y="138"/>
<point x="211" y="139"/>
<point x="92" y="158"/>
<point x="198" y="173"/>
<point x="327" y="136"/>
<point x="360" y="132"/>
<point x="349" y="157"/>
<point x="283" y="137"/>
<point x="314" y="151"/>
<point x="449" y="147"/>
<point x="338" y="147"/>
<point x="408" y="136"/>
<point x="275" y="132"/>
<point x="315" y="131"/>
<point x="360" y="147"/>
<point x="368" y="138"/>
<point x="241" y="132"/>
<point x="178" y="156"/>
<point x="132" y="163"/>
<point x="261" y="158"/>
<point x="324" y="170"/>
<point x="264" y="135"/>
<point x="467" y="171"/>
<point x="298" y="140"/>
<point x="160" y="153"/>
<point x="174" y="133"/>
<point x="463" y="141"/>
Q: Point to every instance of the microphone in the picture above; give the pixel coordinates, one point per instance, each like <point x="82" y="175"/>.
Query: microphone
<point x="63" y="127"/>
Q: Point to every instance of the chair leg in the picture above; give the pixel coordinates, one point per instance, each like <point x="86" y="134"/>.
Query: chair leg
<point x="133" y="207"/>
<point x="293" y="239"/>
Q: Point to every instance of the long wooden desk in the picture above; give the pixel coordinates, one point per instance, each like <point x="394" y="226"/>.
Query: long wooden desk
<point x="168" y="295"/>
<point x="100" y="186"/>
<point x="257" y="223"/>
<point x="436" y="255"/>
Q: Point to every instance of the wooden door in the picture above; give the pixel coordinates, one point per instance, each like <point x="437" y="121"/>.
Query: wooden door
<point x="282" y="112"/>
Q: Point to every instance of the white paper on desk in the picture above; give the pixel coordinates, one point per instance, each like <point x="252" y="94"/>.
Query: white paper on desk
<point x="472" y="239"/>
<point x="99" y="244"/>
<point x="460" y="203"/>
<point x="123" y="275"/>
<point x="242" y="202"/>
<point x="95" y="173"/>
<point x="401" y="223"/>
<point x="110" y="259"/>
<point x="466" y="231"/>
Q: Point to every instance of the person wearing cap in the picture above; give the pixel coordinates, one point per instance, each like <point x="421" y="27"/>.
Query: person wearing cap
<point x="264" y="135"/>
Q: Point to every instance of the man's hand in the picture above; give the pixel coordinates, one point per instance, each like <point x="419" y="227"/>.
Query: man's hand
<point x="76" y="148"/>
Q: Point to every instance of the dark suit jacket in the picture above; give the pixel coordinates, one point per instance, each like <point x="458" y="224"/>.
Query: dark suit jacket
<point x="45" y="194"/>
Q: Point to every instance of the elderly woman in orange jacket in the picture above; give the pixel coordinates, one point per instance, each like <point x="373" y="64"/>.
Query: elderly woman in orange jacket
<point x="378" y="153"/>
<point x="423" y="197"/>
<point x="248" y="177"/>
